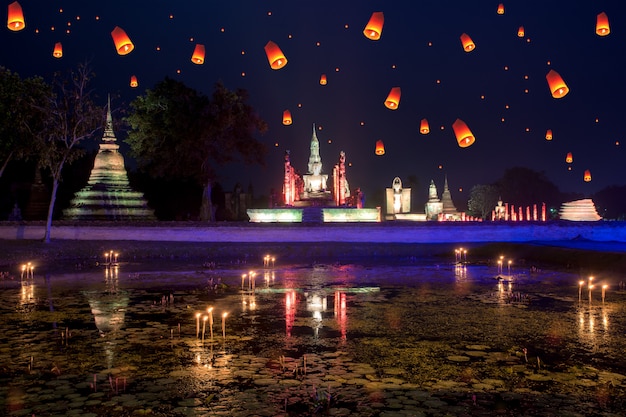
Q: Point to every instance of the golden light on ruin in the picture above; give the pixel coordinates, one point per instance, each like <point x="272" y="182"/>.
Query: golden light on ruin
<point x="558" y="88"/>
<point x="424" y="128"/>
<point x="323" y="79"/>
<point x="520" y="32"/>
<point x="587" y="176"/>
<point x="287" y="118"/>
<point x="464" y="135"/>
<point x="15" y="18"/>
<point x="393" y="99"/>
<point x="133" y="81"/>
<point x="500" y="9"/>
<point x="569" y="158"/>
<point x="602" y="24"/>
<point x="549" y="134"/>
<point x="58" y="50"/>
<point x="380" y="147"/>
<point x="374" y="27"/>
<point x="198" y="54"/>
<point x="275" y="56"/>
<point x="122" y="42"/>
<point x="467" y="42"/>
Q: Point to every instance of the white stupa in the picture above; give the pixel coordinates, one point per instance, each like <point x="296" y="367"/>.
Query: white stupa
<point x="579" y="211"/>
<point x="108" y="195"/>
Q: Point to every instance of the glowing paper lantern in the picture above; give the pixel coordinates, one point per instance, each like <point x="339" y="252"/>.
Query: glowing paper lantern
<point x="602" y="24"/>
<point x="58" y="50"/>
<point x="287" y="118"/>
<point x="587" y="176"/>
<point x="424" y="128"/>
<point x="464" y="135"/>
<point x="393" y="99"/>
<point x="558" y="88"/>
<point x="133" y="81"/>
<point x="323" y="79"/>
<point x="122" y="42"/>
<point x="549" y="134"/>
<point x="569" y="158"/>
<point x="500" y="8"/>
<point x="198" y="54"/>
<point x="374" y="27"/>
<point x="520" y="32"/>
<point x="275" y="56"/>
<point x="380" y="147"/>
<point x="15" y="19"/>
<point x="467" y="42"/>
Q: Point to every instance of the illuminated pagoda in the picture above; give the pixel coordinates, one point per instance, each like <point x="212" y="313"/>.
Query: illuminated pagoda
<point x="108" y="195"/>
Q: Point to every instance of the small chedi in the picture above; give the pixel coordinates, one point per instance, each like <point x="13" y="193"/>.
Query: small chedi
<point x="579" y="211"/>
<point x="108" y="195"/>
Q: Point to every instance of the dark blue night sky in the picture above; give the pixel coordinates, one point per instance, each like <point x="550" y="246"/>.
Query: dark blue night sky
<point x="419" y="46"/>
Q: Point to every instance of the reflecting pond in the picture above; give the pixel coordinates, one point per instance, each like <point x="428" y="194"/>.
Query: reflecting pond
<point x="270" y="339"/>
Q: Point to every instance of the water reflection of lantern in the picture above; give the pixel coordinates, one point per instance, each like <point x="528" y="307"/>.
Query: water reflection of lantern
<point x="602" y="24"/>
<point x="123" y="44"/>
<point x="521" y="32"/>
<point x="275" y="56"/>
<point x="393" y="99"/>
<point x="569" y="158"/>
<point x="374" y="27"/>
<point x="464" y="135"/>
<point x="58" y="50"/>
<point x="424" y="128"/>
<point x="500" y="8"/>
<point x="549" y="134"/>
<point x="380" y="147"/>
<point x="133" y="81"/>
<point x="15" y="20"/>
<point x="287" y="118"/>
<point x="558" y="88"/>
<point x="323" y="79"/>
<point x="587" y="176"/>
<point x="467" y="42"/>
<point x="198" y="54"/>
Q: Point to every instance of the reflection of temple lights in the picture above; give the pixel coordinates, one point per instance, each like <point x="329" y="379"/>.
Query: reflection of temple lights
<point x="290" y="311"/>
<point x="341" y="313"/>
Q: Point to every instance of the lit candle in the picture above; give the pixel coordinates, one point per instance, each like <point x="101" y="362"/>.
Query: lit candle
<point x="210" y="310"/>
<point x="197" y="325"/>
<point x="590" y="288"/>
<point x="243" y="280"/>
<point x="510" y="261"/>
<point x="604" y="291"/>
<point x="580" y="290"/>
<point x="224" y="325"/>
<point x="23" y="269"/>
<point x="116" y="258"/>
<point x="204" y="319"/>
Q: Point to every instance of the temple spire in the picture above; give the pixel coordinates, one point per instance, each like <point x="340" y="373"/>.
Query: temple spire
<point x="445" y="183"/>
<point x="315" y="161"/>
<point x="109" y="135"/>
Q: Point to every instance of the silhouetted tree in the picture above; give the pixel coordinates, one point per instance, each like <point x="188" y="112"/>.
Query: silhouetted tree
<point x="177" y="132"/>
<point x="523" y="187"/>
<point x="482" y="200"/>
<point x="611" y="202"/>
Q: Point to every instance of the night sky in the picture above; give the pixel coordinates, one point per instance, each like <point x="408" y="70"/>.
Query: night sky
<point x="419" y="51"/>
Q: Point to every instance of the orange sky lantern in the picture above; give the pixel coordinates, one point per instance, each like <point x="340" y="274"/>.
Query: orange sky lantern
<point x="549" y="134"/>
<point x="467" y="42"/>
<point x="275" y="56"/>
<point x="464" y="135"/>
<point x="15" y="19"/>
<point x="587" y="176"/>
<point x="123" y="44"/>
<point x="58" y="50"/>
<point x="133" y="81"/>
<point x="380" y="147"/>
<point x="323" y="79"/>
<point x="287" y="118"/>
<point x="521" y="32"/>
<point x="374" y="27"/>
<point x="424" y="128"/>
<point x="198" y="54"/>
<point x="602" y="24"/>
<point x="500" y="8"/>
<point x="558" y="88"/>
<point x="569" y="158"/>
<point x="393" y="99"/>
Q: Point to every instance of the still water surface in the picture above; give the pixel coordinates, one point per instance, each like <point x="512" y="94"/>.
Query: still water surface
<point x="309" y="339"/>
